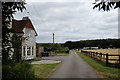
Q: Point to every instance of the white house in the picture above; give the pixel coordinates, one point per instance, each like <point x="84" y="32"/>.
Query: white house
<point x="26" y="28"/>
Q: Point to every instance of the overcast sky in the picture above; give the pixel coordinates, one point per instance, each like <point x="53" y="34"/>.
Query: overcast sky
<point x="70" y="20"/>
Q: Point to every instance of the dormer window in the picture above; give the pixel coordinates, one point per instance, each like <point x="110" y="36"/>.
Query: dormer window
<point x="28" y="31"/>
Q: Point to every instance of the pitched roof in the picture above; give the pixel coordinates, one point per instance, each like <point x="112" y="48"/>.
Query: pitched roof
<point x="19" y="25"/>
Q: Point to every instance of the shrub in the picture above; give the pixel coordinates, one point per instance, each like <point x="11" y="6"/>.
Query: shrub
<point x="18" y="70"/>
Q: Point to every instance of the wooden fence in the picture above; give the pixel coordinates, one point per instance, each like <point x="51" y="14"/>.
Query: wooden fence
<point x="105" y="58"/>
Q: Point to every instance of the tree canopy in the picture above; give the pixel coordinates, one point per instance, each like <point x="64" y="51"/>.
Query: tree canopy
<point x="8" y="9"/>
<point x="55" y="47"/>
<point x="101" y="43"/>
<point x="12" y="67"/>
<point x="106" y="5"/>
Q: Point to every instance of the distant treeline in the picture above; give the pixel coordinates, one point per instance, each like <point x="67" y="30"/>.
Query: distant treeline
<point x="56" y="47"/>
<point x="101" y="43"/>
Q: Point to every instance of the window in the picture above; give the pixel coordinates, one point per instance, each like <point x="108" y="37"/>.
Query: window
<point x="23" y="50"/>
<point x="28" y="50"/>
<point x="32" y="50"/>
<point x="27" y="31"/>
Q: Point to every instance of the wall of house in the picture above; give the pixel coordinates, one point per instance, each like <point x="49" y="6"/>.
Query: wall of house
<point x="29" y="44"/>
<point x="39" y="50"/>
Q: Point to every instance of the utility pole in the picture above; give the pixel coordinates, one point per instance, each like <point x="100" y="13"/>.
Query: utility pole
<point x="53" y="38"/>
<point x="53" y="44"/>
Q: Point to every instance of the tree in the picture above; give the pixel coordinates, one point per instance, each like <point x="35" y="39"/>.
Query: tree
<point x="13" y="67"/>
<point x="16" y="44"/>
<point x="106" y="5"/>
<point x="8" y="9"/>
<point x="101" y="43"/>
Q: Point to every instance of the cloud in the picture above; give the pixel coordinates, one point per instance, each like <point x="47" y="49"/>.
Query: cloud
<point x="70" y="21"/>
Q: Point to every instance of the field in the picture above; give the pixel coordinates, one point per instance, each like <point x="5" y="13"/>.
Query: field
<point x="109" y="51"/>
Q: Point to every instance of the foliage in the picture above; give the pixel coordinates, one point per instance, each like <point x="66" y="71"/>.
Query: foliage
<point x="101" y="43"/>
<point x="60" y="49"/>
<point x="16" y="44"/>
<point x="18" y="70"/>
<point x="8" y="9"/>
<point x="12" y="67"/>
<point x="107" y="5"/>
<point x="56" y="47"/>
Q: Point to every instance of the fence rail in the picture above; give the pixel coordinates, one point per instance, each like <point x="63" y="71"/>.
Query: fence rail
<point x="106" y="58"/>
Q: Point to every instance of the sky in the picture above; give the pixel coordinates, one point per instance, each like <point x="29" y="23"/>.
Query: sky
<point x="69" y="20"/>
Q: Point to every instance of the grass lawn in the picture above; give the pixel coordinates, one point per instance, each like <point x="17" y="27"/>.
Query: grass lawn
<point x="43" y="70"/>
<point x="61" y="54"/>
<point x="104" y="71"/>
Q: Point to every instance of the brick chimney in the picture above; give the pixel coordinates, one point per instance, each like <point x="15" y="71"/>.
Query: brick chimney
<point x="25" y="18"/>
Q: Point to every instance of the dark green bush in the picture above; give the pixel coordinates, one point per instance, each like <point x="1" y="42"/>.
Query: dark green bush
<point x="20" y="70"/>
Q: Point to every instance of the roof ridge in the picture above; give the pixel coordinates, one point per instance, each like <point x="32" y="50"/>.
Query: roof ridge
<point x="19" y="25"/>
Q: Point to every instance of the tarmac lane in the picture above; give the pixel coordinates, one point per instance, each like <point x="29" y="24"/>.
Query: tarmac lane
<point x="73" y="66"/>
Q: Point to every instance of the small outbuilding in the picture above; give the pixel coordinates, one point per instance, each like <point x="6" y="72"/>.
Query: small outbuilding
<point x="39" y="50"/>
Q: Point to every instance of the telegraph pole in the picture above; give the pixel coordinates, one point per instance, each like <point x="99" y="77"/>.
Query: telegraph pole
<point x="53" y="44"/>
<point x="53" y="38"/>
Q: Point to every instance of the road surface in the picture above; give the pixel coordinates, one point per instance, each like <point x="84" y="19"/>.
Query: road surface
<point x="72" y="66"/>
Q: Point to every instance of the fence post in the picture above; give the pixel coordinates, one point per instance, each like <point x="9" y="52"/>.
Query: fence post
<point x="119" y="59"/>
<point x="107" y="59"/>
<point x="88" y="53"/>
<point x="100" y="56"/>
<point x="91" y="54"/>
<point x="96" y="55"/>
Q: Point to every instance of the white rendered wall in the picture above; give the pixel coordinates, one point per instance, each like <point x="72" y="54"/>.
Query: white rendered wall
<point x="29" y="41"/>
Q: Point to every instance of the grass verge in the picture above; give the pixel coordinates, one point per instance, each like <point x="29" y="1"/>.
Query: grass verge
<point x="61" y="54"/>
<point x="104" y="71"/>
<point x="43" y="70"/>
